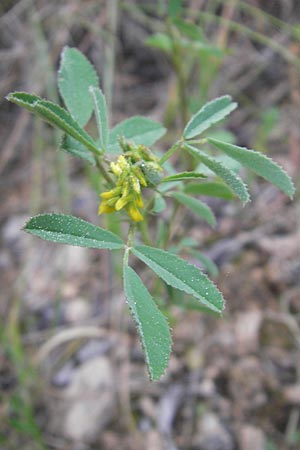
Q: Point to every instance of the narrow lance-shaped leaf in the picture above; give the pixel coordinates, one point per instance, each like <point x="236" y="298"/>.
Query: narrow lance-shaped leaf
<point x="180" y="274"/>
<point x="183" y="176"/>
<point x="55" y="115"/>
<point x="195" y="205"/>
<point x="189" y="29"/>
<point x="258" y="163"/>
<point x="75" y="76"/>
<point x="71" y="230"/>
<point x="174" y="7"/>
<point x="211" y="189"/>
<point x="75" y="148"/>
<point x="101" y="115"/>
<point x="159" y="204"/>
<point x="161" y="41"/>
<point x="152" y="326"/>
<point x="24" y="99"/>
<point x="137" y="129"/>
<point x="210" y="114"/>
<point x="227" y="175"/>
<point x="59" y="117"/>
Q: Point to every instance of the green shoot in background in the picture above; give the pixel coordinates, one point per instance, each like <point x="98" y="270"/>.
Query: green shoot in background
<point x="138" y="180"/>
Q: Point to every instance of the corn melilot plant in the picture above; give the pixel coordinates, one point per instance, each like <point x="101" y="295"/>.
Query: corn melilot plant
<point x="137" y="182"/>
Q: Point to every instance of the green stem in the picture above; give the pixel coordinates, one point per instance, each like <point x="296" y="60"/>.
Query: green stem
<point x="197" y="141"/>
<point x="103" y="172"/>
<point x="170" y="152"/>
<point x="170" y="224"/>
<point x="143" y="229"/>
<point x="131" y="232"/>
<point x="130" y="241"/>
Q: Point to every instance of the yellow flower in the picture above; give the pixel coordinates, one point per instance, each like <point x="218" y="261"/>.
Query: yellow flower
<point x="127" y="192"/>
<point x="134" y="212"/>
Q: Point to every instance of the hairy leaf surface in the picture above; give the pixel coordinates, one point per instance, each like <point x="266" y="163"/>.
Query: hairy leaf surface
<point x="182" y="275"/>
<point x="137" y="129"/>
<point x="183" y="176"/>
<point x="196" y="206"/>
<point x="227" y="175"/>
<point x="75" y="76"/>
<point x="152" y="326"/>
<point x="101" y="115"/>
<point x="210" y="114"/>
<point x="75" y="148"/>
<point x="71" y="230"/>
<point x="258" y="163"/>
<point x="211" y="189"/>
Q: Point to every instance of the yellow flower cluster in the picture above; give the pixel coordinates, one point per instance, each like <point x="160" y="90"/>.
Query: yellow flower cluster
<point x="127" y="193"/>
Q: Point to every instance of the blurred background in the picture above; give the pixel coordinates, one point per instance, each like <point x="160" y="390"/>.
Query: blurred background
<point x="72" y="373"/>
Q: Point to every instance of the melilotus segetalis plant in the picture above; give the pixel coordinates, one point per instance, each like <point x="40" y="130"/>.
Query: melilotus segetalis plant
<point x="135" y="180"/>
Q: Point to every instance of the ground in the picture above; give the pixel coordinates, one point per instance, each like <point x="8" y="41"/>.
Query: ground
<point x="72" y="373"/>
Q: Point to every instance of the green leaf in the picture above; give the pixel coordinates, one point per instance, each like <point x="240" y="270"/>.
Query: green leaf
<point x="137" y="129"/>
<point x="191" y="304"/>
<point x="174" y="7"/>
<point x="180" y="274"/>
<point x="101" y="115"/>
<point x="197" y="207"/>
<point x="210" y="114"/>
<point x="189" y="29"/>
<point x="24" y="99"/>
<point x="182" y="176"/>
<point x="161" y="41"/>
<point x="211" y="189"/>
<point x="258" y="163"/>
<point x="230" y="163"/>
<point x="73" y="231"/>
<point x="227" y="175"/>
<point x="223" y="135"/>
<point x="55" y="115"/>
<point x="188" y="242"/>
<point x="151" y="324"/>
<point x="159" y="204"/>
<point x="60" y="118"/>
<point x="75" y="76"/>
<point x="74" y="148"/>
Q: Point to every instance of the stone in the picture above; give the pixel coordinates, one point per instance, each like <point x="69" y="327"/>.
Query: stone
<point x="250" y="438"/>
<point x="77" y="310"/>
<point x="212" y="434"/>
<point x="88" y="403"/>
<point x="247" y="327"/>
<point x="291" y="394"/>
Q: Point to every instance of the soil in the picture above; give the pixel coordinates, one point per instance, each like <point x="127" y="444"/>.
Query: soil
<point x="232" y="383"/>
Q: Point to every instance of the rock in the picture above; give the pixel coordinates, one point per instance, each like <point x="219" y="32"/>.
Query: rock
<point x="93" y="348"/>
<point x="247" y="327"/>
<point x="206" y="388"/>
<point x="88" y="404"/>
<point x="63" y="377"/>
<point x="77" y="310"/>
<point x="250" y="438"/>
<point x="213" y="435"/>
<point x="291" y="394"/>
<point x="153" y="441"/>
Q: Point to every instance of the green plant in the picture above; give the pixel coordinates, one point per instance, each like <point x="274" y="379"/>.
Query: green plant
<point x="132" y="173"/>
